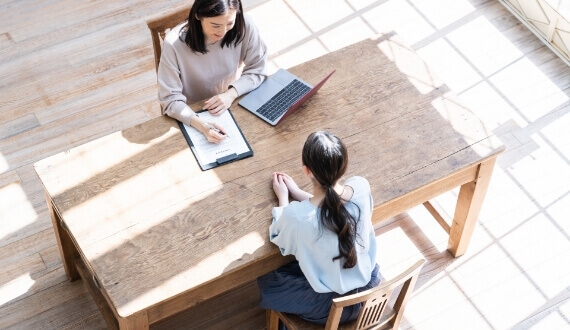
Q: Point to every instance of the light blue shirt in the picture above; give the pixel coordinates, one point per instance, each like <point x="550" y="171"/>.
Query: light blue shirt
<point x="296" y="230"/>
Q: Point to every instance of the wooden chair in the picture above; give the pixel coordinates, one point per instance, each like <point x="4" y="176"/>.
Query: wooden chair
<point x="160" y="24"/>
<point x="374" y="314"/>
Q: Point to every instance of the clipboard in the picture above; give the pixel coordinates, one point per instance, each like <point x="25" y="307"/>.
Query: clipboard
<point x="210" y="155"/>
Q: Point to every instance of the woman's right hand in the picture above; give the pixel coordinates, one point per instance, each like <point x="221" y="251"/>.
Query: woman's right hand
<point x="206" y="128"/>
<point x="291" y="185"/>
<point x="294" y="190"/>
<point x="216" y="135"/>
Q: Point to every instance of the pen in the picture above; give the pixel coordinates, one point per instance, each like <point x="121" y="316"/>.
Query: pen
<point x="215" y="129"/>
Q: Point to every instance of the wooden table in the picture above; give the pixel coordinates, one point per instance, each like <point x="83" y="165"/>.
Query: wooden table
<point x="151" y="234"/>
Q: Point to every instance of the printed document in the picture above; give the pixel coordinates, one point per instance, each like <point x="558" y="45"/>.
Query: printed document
<point x="207" y="152"/>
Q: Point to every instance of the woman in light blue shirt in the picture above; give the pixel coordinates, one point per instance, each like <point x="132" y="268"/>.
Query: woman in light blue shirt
<point x="329" y="232"/>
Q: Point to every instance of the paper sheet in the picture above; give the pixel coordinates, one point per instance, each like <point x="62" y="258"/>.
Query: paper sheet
<point x="208" y="152"/>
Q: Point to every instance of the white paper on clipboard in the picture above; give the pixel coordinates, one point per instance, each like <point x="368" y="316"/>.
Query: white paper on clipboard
<point x="209" y="153"/>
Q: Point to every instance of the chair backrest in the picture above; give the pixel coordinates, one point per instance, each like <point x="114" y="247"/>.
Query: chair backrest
<point x="161" y="23"/>
<point x="375" y="301"/>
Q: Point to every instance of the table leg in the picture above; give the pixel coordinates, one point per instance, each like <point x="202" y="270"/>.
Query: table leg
<point x="66" y="246"/>
<point x="135" y="321"/>
<point x="471" y="196"/>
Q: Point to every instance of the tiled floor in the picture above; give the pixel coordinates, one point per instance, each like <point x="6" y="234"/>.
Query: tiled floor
<point x="517" y="269"/>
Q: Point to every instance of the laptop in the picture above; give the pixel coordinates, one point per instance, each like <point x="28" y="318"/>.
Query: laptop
<point x="279" y="95"/>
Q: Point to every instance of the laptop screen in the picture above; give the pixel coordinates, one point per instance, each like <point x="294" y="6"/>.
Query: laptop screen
<point x="279" y="95"/>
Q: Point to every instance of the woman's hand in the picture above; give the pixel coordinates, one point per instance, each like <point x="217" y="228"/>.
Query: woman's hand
<point x="214" y="133"/>
<point x="221" y="102"/>
<point x="296" y="192"/>
<point x="280" y="189"/>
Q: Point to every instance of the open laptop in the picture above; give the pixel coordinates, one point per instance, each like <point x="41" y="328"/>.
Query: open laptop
<point x="279" y="95"/>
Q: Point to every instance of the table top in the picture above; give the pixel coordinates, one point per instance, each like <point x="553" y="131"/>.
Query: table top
<point x="151" y="224"/>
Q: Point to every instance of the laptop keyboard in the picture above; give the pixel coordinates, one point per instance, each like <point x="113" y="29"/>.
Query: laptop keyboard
<point x="281" y="101"/>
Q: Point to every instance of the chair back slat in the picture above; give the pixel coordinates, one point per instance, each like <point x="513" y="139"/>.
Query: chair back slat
<point x="160" y="24"/>
<point x="375" y="301"/>
<point x="373" y="309"/>
<point x="375" y="312"/>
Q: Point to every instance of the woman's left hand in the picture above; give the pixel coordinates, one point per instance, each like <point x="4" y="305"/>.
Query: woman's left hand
<point x="221" y="102"/>
<point x="280" y="189"/>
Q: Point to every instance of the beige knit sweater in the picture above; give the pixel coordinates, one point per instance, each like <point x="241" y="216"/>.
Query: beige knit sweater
<point x="185" y="77"/>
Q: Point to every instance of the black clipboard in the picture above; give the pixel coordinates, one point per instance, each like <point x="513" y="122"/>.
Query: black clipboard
<point x="204" y="165"/>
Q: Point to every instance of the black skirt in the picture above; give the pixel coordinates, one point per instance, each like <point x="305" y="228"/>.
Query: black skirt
<point x="287" y="290"/>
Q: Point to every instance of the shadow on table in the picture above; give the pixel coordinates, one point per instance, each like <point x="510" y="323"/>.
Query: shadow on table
<point x="402" y="131"/>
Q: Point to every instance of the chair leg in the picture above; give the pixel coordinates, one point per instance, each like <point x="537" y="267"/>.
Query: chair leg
<point x="271" y="320"/>
<point x="402" y="300"/>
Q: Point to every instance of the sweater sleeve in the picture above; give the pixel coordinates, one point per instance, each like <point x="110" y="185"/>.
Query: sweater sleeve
<point x="254" y="58"/>
<point x="172" y="101"/>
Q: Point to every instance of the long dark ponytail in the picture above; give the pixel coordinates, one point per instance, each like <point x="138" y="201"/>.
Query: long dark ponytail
<point x="325" y="155"/>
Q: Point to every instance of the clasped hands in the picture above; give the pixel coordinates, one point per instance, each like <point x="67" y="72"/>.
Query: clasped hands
<point x="284" y="185"/>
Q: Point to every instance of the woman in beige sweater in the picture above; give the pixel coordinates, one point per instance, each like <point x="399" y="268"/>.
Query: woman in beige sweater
<point x="217" y="55"/>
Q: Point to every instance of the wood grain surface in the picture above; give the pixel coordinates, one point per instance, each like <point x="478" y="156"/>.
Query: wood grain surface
<point x="152" y="226"/>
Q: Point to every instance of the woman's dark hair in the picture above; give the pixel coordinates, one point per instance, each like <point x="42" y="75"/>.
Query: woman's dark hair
<point x="211" y="8"/>
<point x="326" y="157"/>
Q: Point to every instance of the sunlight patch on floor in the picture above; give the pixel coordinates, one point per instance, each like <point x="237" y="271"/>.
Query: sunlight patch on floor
<point x="15" y="288"/>
<point x="560" y="213"/>
<point x="441" y="13"/>
<point x="391" y="263"/>
<point x="360" y="4"/>
<point x="4" y="166"/>
<point x="278" y="25"/>
<point x="440" y="293"/>
<point x="450" y="65"/>
<point x="541" y="172"/>
<point x="490" y="106"/>
<point x="487" y="49"/>
<point x="558" y="134"/>
<point x="16" y="211"/>
<point x="510" y="302"/>
<point x="400" y="17"/>
<point x="430" y="232"/>
<point x="528" y="89"/>
<point x="320" y="14"/>
<point x="300" y="54"/>
<point x="554" y="320"/>
<point x="346" y="34"/>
